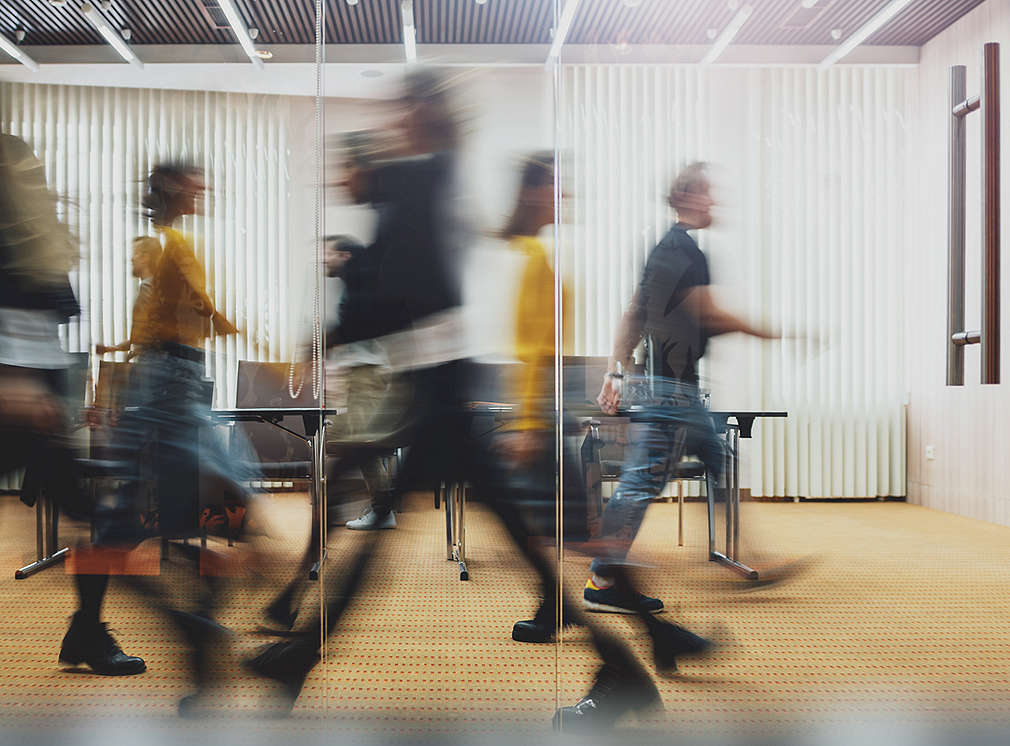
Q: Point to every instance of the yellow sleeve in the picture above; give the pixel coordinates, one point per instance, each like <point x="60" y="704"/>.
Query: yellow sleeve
<point x="141" y="330"/>
<point x="192" y="273"/>
<point x="535" y="344"/>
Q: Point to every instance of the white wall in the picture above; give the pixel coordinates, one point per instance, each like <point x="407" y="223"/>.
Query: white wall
<point x="966" y="425"/>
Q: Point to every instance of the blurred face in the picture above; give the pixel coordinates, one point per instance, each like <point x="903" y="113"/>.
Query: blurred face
<point x="335" y="259"/>
<point x="355" y="181"/>
<point x="188" y="200"/>
<point x="694" y="209"/>
<point x="542" y="199"/>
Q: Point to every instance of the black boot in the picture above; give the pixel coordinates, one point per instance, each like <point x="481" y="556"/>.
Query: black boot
<point x="283" y="611"/>
<point x="541" y="627"/>
<point x="91" y="643"/>
<point x="616" y="692"/>
<point x="670" y="642"/>
<point x="288" y="663"/>
<point x="204" y="636"/>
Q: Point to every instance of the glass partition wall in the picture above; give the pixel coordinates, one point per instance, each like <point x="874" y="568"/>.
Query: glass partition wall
<point x="385" y="342"/>
<point x="167" y="163"/>
<point x="736" y="175"/>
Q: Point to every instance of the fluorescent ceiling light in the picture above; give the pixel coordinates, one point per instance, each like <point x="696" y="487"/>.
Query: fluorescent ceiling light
<point x="865" y="31"/>
<point x="240" y="31"/>
<point x="115" y="40"/>
<point x="728" y="34"/>
<point x="409" y="31"/>
<point x="564" y="26"/>
<point x="14" y="51"/>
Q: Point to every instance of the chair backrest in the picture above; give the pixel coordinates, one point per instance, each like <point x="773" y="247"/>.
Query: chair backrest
<point x="267" y="385"/>
<point x="111" y="384"/>
<point x="270" y="385"/>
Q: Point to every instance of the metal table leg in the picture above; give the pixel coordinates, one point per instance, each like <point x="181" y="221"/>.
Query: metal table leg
<point x="46" y="539"/>
<point x="454" y="496"/>
<point x="446" y="490"/>
<point x="464" y="574"/>
<point x="729" y="558"/>
<point x="317" y="441"/>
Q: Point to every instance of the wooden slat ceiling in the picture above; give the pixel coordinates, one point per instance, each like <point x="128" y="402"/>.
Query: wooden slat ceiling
<point x="778" y="22"/>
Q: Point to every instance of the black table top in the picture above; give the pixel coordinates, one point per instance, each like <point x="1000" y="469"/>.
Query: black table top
<point x="256" y="412"/>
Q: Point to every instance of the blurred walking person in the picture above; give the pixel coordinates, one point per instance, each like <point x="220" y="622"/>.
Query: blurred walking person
<point x="166" y="435"/>
<point x="36" y="255"/>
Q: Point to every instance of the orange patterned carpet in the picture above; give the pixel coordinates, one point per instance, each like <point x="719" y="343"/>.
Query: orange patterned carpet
<point x="904" y="618"/>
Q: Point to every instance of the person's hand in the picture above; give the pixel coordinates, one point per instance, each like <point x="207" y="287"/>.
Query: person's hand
<point x="223" y="327"/>
<point x="610" y="395"/>
<point x="102" y="349"/>
<point x="26" y="403"/>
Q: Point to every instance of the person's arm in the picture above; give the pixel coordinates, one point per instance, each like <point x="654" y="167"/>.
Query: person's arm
<point x="534" y="343"/>
<point x="630" y="331"/>
<point x="121" y="347"/>
<point x="717" y="320"/>
<point x="192" y="274"/>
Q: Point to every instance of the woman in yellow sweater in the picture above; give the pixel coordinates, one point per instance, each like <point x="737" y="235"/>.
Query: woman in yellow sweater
<point x="529" y="452"/>
<point x="532" y="430"/>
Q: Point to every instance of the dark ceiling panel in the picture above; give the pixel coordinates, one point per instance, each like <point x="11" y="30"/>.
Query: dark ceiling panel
<point x="493" y="22"/>
<point x="648" y="22"/>
<point x="914" y="26"/>
<point x="923" y="20"/>
<point x="779" y="22"/>
<point x="368" y="22"/>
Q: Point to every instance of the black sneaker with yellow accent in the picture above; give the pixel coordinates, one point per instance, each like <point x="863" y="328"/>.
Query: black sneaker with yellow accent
<point x="612" y="601"/>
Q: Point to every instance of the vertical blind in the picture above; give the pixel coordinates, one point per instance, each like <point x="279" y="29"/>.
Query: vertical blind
<point x="98" y="144"/>
<point x="818" y="167"/>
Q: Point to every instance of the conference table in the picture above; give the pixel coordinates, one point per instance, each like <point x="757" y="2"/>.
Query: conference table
<point x="733" y="425"/>
<point x="314" y="436"/>
<point x="741" y="427"/>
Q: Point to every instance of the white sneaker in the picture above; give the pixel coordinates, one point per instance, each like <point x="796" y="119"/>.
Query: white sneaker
<point x="371" y="521"/>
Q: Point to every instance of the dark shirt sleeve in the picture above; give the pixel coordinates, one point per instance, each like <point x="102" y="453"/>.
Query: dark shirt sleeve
<point x="695" y="272"/>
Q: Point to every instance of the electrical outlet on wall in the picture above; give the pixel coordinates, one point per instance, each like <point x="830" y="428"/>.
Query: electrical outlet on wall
<point x="930" y="453"/>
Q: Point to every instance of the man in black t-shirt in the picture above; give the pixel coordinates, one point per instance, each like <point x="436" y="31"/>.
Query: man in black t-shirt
<point x="674" y="308"/>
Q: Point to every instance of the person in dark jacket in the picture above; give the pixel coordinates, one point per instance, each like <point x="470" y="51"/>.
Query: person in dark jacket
<point x="36" y="254"/>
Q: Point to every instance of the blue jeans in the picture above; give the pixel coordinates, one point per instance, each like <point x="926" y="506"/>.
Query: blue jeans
<point x="673" y="423"/>
<point x="169" y="446"/>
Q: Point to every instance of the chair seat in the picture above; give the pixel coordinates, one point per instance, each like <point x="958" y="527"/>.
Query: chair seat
<point x="94" y="467"/>
<point x="611" y="469"/>
<point x="282" y="469"/>
<point x="689" y="469"/>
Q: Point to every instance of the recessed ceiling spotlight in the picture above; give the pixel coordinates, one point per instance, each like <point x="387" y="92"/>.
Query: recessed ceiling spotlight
<point x="105" y="5"/>
<point x="264" y="54"/>
<point x="481" y="2"/>
<point x="808" y="3"/>
<point x="371" y="73"/>
<point x="254" y="33"/>
<point x="352" y="2"/>
<point x="126" y="33"/>
<point x="733" y="4"/>
<point x="58" y="3"/>
<point x="712" y="33"/>
<point x="836" y="34"/>
<point x="19" y="35"/>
